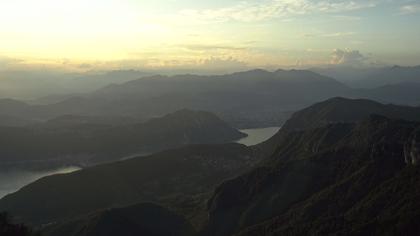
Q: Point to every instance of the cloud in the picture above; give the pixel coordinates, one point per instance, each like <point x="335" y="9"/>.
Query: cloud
<point x="347" y="18"/>
<point x="248" y="12"/>
<point x="209" y="47"/>
<point x="410" y="9"/>
<point x="339" y="34"/>
<point x="328" y="35"/>
<point x="84" y="66"/>
<point x="215" y="63"/>
<point x="334" y="35"/>
<point x="209" y="63"/>
<point x="348" y="57"/>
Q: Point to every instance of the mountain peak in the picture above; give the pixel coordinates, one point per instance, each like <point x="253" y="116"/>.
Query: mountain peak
<point x="251" y="73"/>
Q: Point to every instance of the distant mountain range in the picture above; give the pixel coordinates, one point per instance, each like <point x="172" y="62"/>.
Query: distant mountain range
<point x="352" y="172"/>
<point x="73" y="140"/>
<point x="256" y="98"/>
<point x="372" y="77"/>
<point x="244" y="99"/>
<point x="47" y="86"/>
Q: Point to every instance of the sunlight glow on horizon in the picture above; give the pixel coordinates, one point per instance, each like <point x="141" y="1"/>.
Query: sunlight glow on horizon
<point x="177" y="33"/>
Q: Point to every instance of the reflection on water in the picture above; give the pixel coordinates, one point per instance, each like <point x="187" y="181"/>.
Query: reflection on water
<point x="256" y="136"/>
<point x="13" y="180"/>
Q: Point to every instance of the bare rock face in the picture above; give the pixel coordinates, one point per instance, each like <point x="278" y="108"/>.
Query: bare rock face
<point x="412" y="149"/>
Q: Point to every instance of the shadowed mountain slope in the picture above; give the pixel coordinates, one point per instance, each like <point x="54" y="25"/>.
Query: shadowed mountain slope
<point x="333" y="111"/>
<point x="8" y="228"/>
<point x="341" y="179"/>
<point x="350" y="173"/>
<point x="85" y="143"/>
<point x="343" y="110"/>
<point x="144" y="219"/>
<point x="173" y="177"/>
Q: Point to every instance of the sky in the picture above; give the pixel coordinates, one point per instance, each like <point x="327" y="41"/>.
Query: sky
<point x="119" y="34"/>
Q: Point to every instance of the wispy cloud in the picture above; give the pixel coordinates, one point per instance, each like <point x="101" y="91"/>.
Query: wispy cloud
<point x="339" y="34"/>
<point x="329" y="35"/>
<point x="211" y="47"/>
<point x="410" y="9"/>
<point x="346" y="18"/>
<point x="248" y="12"/>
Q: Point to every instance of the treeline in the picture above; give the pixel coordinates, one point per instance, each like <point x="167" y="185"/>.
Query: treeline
<point x="7" y="228"/>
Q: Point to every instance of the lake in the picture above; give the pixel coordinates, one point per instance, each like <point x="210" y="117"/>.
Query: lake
<point x="13" y="180"/>
<point x="256" y="136"/>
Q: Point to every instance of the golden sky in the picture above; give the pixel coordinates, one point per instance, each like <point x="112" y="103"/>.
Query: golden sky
<point x="88" y="34"/>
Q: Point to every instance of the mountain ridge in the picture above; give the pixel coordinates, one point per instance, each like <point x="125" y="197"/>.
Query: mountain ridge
<point x="138" y="219"/>
<point x="314" y="171"/>
<point x="234" y="97"/>
<point x="86" y="143"/>
<point x="166" y="178"/>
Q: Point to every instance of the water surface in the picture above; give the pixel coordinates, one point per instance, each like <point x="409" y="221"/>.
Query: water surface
<point x="13" y="180"/>
<point x="256" y="136"/>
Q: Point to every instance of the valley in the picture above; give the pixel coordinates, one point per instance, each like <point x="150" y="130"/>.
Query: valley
<point x="227" y="189"/>
<point x="90" y="174"/>
<point x="210" y="118"/>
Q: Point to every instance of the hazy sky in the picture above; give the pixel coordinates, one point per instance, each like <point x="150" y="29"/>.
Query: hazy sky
<point x="89" y="34"/>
